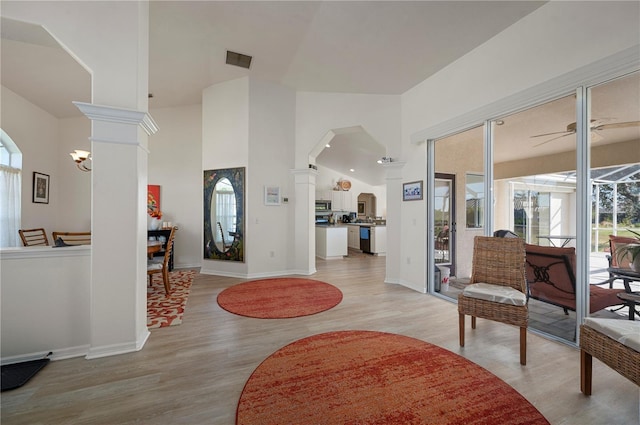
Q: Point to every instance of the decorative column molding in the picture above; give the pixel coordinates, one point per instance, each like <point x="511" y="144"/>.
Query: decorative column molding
<point x="304" y="175"/>
<point x="119" y="191"/>
<point x="118" y="115"/>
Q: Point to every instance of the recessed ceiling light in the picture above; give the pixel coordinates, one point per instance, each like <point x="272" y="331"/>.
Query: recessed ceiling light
<point x="327" y="145"/>
<point x="352" y="170"/>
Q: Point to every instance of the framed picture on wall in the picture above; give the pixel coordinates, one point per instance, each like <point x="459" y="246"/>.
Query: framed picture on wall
<point x="412" y="191"/>
<point x="362" y="207"/>
<point x="40" y="188"/>
<point x="272" y="195"/>
<point x="153" y="200"/>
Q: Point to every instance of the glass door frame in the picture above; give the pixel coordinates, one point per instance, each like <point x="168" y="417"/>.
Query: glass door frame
<point x="451" y="178"/>
<point x="578" y="81"/>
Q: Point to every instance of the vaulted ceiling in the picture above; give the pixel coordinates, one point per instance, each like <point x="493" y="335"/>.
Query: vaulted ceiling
<point x="380" y="47"/>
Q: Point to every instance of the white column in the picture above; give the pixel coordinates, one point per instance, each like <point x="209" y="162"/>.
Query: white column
<point x="304" y="224"/>
<point x="394" y="218"/>
<point x="119" y="228"/>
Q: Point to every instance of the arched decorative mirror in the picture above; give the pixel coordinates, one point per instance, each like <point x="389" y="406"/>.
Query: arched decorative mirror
<point x="224" y="214"/>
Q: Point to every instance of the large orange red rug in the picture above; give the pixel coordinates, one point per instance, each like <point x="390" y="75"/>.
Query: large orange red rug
<point x="163" y="310"/>
<point x="364" y="377"/>
<point x="279" y="298"/>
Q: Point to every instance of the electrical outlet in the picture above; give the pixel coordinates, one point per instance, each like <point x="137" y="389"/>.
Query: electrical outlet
<point x="272" y="254"/>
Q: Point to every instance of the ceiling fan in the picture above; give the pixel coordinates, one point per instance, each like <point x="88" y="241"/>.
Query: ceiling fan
<point x="595" y="125"/>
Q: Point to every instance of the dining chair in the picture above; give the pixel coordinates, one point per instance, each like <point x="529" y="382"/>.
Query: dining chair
<point x="73" y="238"/>
<point x="497" y="289"/>
<point x="163" y="267"/>
<point x="31" y="237"/>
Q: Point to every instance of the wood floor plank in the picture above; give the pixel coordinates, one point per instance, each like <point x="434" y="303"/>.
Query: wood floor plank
<point x="194" y="373"/>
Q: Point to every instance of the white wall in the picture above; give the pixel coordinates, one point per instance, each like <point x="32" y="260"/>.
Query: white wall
<point x="269" y="233"/>
<point x="36" y="133"/>
<point x="175" y="160"/>
<point x="45" y="302"/>
<point x="74" y="196"/>
<point x="225" y="144"/>
<point x="250" y="123"/>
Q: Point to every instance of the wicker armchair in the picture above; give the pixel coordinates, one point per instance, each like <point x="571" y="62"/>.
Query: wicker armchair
<point x="613" y="342"/>
<point x="499" y="262"/>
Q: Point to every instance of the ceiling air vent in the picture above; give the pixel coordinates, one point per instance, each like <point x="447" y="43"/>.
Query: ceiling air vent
<point x="238" y="59"/>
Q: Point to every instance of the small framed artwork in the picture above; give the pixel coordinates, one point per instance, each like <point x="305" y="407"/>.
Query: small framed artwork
<point x="272" y="195"/>
<point x="40" y="188"/>
<point x="412" y="191"/>
<point x="153" y="200"/>
<point x="362" y="207"/>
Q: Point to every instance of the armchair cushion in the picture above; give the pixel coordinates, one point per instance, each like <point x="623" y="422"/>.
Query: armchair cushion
<point x="495" y="293"/>
<point x="626" y="332"/>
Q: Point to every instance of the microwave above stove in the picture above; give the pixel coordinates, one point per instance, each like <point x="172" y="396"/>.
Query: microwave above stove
<point x="323" y="207"/>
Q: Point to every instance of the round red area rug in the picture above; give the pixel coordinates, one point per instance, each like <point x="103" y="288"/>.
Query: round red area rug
<point x="363" y="377"/>
<point x="279" y="298"/>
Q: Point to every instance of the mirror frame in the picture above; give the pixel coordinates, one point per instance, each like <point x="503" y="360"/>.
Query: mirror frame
<point x="210" y="250"/>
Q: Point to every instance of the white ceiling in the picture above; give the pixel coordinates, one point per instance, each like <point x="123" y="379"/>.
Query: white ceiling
<point x="381" y="47"/>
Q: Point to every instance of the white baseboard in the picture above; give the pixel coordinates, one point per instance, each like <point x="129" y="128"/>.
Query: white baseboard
<point x="57" y="354"/>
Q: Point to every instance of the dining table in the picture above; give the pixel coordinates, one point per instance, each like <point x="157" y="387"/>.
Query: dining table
<point x="630" y="298"/>
<point x="562" y="239"/>
<point x="153" y="247"/>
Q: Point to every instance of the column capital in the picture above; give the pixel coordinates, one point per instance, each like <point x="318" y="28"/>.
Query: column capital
<point x="118" y="115"/>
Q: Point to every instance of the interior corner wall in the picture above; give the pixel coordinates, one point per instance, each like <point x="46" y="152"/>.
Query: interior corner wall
<point x="225" y="144"/>
<point x="269" y="234"/>
<point x="174" y="158"/>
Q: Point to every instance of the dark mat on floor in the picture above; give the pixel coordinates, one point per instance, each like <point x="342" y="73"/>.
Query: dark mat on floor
<point x="17" y="374"/>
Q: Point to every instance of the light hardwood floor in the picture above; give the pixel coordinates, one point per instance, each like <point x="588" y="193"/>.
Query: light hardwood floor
<point x="194" y="373"/>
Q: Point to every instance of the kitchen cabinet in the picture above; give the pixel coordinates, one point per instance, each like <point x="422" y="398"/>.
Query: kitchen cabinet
<point x="331" y="242"/>
<point x="324" y="195"/>
<point x="342" y="201"/>
<point x="353" y="236"/>
<point x="379" y="240"/>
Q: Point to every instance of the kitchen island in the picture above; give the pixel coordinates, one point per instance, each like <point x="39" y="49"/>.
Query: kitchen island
<point x="331" y="241"/>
